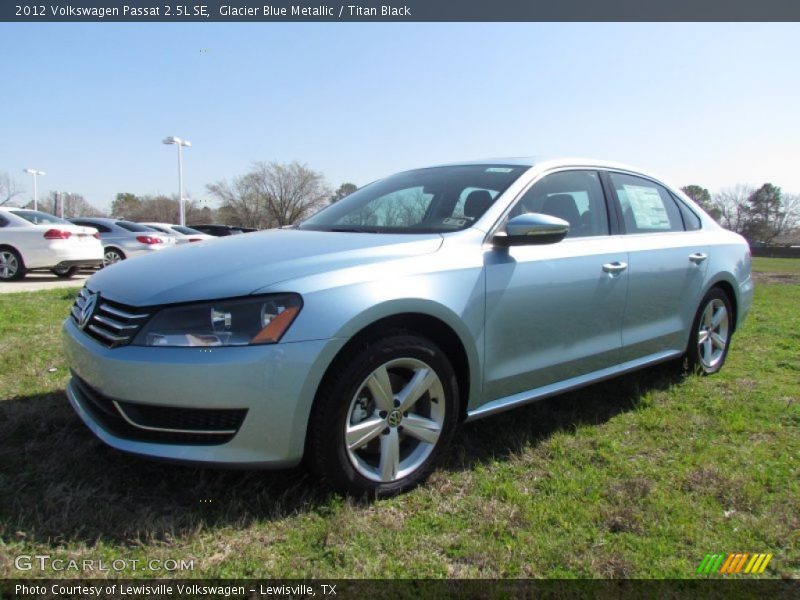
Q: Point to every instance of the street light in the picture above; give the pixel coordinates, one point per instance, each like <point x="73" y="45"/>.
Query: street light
<point x="172" y="140"/>
<point x="34" y="172"/>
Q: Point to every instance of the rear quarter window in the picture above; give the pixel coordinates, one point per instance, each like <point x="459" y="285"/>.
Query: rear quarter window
<point x="690" y="220"/>
<point x="646" y="206"/>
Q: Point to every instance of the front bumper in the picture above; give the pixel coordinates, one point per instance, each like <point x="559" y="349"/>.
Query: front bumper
<point x="274" y="384"/>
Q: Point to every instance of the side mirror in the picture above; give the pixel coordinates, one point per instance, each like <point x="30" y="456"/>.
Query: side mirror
<point x="530" y="229"/>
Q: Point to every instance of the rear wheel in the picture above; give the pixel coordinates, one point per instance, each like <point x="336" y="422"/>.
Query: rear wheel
<point x="382" y="423"/>
<point x="11" y="266"/>
<point x="111" y="256"/>
<point x="64" y="272"/>
<point x="711" y="333"/>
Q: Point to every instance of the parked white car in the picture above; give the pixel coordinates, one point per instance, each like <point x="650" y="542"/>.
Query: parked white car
<point x="182" y="235"/>
<point x="32" y="240"/>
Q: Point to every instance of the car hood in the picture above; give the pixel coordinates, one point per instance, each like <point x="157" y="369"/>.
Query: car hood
<point x="241" y="264"/>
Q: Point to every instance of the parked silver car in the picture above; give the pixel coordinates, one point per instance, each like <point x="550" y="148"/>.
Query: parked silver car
<point x="360" y="338"/>
<point x="124" y="239"/>
<point x="182" y="235"/>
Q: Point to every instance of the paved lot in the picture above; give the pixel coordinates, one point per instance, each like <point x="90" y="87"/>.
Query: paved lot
<point x="42" y="281"/>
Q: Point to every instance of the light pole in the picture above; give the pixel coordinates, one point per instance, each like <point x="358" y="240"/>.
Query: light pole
<point x="34" y="172"/>
<point x="172" y="140"/>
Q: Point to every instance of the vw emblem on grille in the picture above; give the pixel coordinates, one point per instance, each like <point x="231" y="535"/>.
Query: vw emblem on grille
<point x="87" y="310"/>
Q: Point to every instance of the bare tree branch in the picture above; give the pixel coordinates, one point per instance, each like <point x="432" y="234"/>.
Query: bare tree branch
<point x="9" y="189"/>
<point x="271" y="195"/>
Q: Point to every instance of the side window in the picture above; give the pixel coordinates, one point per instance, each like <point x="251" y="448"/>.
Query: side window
<point x="646" y="206"/>
<point x="690" y="220"/>
<point x="3" y="221"/>
<point x="575" y="196"/>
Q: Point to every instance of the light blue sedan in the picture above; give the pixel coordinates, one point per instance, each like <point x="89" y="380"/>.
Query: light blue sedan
<point x="361" y="337"/>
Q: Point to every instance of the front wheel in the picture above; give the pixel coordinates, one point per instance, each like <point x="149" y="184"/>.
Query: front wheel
<point x="11" y="266"/>
<point x="381" y="423"/>
<point x="711" y="333"/>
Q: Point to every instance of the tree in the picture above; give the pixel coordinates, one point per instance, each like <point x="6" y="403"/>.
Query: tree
<point x="75" y="205"/>
<point x="159" y="209"/>
<point x="344" y="190"/>
<point x="703" y="198"/>
<point x="766" y="218"/>
<point x="125" y="204"/>
<point x="732" y="205"/>
<point x="8" y="188"/>
<point x="240" y="202"/>
<point x="271" y="195"/>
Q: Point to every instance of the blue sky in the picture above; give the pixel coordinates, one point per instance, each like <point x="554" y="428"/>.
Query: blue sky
<point x="713" y="104"/>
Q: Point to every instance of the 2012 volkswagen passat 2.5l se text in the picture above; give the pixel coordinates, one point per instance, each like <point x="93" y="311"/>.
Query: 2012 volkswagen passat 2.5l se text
<point x="359" y="338"/>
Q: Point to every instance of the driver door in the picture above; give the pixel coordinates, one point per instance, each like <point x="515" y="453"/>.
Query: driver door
<point x="554" y="312"/>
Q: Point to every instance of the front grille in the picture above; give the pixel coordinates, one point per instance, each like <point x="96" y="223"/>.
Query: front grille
<point x="110" y="323"/>
<point x="164" y="424"/>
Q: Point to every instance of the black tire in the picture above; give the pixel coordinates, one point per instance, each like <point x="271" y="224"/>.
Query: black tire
<point x="112" y="255"/>
<point x="64" y="273"/>
<point x="712" y="325"/>
<point x="12" y="267"/>
<point x="345" y="395"/>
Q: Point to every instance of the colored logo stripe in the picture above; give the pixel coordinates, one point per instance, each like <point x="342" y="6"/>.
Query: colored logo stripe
<point x="736" y="562"/>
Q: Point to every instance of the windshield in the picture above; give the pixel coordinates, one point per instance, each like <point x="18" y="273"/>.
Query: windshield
<point x="435" y="200"/>
<point x="40" y="218"/>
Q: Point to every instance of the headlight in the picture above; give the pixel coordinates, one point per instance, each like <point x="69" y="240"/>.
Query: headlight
<point x="259" y="320"/>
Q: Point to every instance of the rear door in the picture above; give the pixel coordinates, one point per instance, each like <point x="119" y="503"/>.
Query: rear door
<point x="554" y="312"/>
<point x="667" y="267"/>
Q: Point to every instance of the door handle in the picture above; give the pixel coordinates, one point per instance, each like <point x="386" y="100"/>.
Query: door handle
<point x="615" y="267"/>
<point x="698" y="257"/>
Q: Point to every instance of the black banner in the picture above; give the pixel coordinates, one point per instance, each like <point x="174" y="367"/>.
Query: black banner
<point x="398" y="10"/>
<point x="168" y="589"/>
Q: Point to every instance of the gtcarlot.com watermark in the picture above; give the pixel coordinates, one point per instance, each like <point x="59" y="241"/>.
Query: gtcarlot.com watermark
<point x="45" y="562"/>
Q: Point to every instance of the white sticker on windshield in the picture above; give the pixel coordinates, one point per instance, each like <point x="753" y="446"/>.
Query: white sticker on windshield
<point x="499" y="170"/>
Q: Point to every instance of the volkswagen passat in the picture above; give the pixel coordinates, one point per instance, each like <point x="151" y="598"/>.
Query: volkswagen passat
<point x="31" y="240"/>
<point x="125" y="239"/>
<point x="362" y="336"/>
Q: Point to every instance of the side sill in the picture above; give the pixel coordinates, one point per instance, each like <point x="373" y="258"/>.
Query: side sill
<point x="515" y="400"/>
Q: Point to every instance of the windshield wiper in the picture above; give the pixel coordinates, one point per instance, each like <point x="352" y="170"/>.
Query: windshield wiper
<point x="351" y="230"/>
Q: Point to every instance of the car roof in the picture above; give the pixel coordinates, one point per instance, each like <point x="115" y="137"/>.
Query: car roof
<point x="96" y="219"/>
<point x="551" y="162"/>
<point x="19" y="208"/>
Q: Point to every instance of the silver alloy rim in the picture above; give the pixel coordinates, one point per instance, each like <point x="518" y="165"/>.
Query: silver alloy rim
<point x="712" y="336"/>
<point x="394" y="420"/>
<point x="111" y="257"/>
<point x="8" y="265"/>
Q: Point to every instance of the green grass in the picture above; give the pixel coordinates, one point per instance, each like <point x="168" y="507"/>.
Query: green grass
<point x="637" y="477"/>
<point x="776" y="265"/>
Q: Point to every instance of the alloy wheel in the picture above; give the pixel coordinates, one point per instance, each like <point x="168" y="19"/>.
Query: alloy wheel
<point x="713" y="333"/>
<point x="9" y="265"/>
<point x="395" y="420"/>
<point x="111" y="257"/>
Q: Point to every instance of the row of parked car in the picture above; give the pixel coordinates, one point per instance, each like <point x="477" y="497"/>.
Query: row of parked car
<point x="32" y="240"/>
